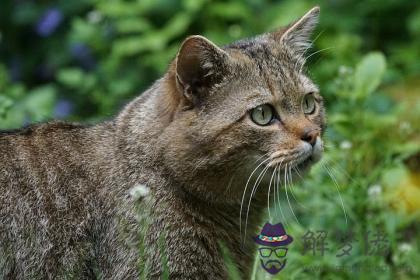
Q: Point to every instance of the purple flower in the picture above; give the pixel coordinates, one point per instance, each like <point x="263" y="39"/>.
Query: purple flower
<point x="49" y="22"/>
<point x="63" y="108"/>
<point x="83" y="55"/>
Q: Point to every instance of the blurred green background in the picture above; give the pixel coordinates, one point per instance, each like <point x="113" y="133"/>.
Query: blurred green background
<point x="83" y="60"/>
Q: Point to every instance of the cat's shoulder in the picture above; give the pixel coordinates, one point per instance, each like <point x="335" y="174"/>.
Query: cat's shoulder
<point x="42" y="128"/>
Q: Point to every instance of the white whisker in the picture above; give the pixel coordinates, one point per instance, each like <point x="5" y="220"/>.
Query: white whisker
<point x="268" y="195"/>
<point x="287" y="195"/>
<point x="306" y="49"/>
<point x="340" y="169"/>
<point x="254" y="189"/>
<point x="312" y="54"/>
<point x="278" y="193"/>
<point x="292" y="191"/>
<point x="275" y="188"/>
<point x="296" y="168"/>
<point x="259" y="158"/>
<point x="338" y="191"/>
<point x="244" y="193"/>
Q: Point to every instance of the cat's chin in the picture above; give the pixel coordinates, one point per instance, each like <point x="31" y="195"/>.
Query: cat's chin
<point x="300" y="169"/>
<point x="306" y="165"/>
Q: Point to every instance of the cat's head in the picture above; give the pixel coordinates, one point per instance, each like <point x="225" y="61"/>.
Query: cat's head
<point x="247" y="103"/>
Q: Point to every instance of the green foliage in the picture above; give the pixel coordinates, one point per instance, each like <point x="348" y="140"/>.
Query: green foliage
<point x="83" y="60"/>
<point x="360" y="154"/>
<point x="233" y="271"/>
<point x="368" y="74"/>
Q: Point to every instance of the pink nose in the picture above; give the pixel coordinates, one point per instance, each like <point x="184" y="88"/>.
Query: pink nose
<point x="310" y="136"/>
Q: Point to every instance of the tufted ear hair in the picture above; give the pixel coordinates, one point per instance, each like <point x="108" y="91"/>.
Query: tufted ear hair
<point x="297" y="35"/>
<point x="199" y="65"/>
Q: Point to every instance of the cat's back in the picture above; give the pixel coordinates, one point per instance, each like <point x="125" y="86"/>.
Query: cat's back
<point x="47" y="190"/>
<point x="32" y="152"/>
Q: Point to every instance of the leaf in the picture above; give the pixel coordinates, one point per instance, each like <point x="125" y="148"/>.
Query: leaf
<point x="232" y="270"/>
<point x="230" y="11"/>
<point x="120" y="9"/>
<point x="193" y="5"/>
<point x="4" y="78"/>
<point x="71" y="77"/>
<point x="369" y="74"/>
<point x="5" y="104"/>
<point x="177" y="25"/>
<point x="40" y="103"/>
<point x="76" y="78"/>
<point x="83" y="31"/>
<point x="136" y="44"/>
<point x="164" y="257"/>
<point x="132" y="25"/>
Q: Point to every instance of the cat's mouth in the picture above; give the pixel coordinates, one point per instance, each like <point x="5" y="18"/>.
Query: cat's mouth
<point x="300" y="159"/>
<point x="300" y="163"/>
<point x="305" y="164"/>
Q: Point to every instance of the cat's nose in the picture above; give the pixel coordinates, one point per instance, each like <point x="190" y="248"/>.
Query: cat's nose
<point x="310" y="135"/>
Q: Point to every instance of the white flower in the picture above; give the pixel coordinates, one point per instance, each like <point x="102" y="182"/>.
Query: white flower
<point x="94" y="16"/>
<point x="374" y="191"/>
<point x="405" y="247"/>
<point x="139" y="191"/>
<point x="343" y="70"/>
<point x="345" y="145"/>
<point x="405" y="126"/>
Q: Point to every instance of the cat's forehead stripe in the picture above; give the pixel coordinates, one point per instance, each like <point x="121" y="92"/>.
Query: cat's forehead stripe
<point x="283" y="65"/>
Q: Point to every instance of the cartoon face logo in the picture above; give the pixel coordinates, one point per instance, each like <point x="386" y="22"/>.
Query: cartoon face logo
<point x="272" y="250"/>
<point x="271" y="262"/>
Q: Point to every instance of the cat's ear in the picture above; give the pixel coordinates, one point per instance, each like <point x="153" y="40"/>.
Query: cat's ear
<point x="297" y="35"/>
<point x="199" y="65"/>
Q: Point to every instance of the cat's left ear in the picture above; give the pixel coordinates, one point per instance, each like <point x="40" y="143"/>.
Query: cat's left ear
<point x="200" y="64"/>
<point x="297" y="35"/>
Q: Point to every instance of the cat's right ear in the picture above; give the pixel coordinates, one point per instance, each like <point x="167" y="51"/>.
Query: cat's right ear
<point x="200" y="64"/>
<point x="297" y="35"/>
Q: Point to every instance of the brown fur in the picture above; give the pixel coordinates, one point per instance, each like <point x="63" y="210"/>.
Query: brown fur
<point x="65" y="206"/>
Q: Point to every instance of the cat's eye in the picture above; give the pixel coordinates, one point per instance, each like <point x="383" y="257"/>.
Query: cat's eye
<point x="308" y="104"/>
<point x="262" y="115"/>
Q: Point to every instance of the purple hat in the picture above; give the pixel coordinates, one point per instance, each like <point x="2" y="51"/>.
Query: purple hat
<point x="273" y="235"/>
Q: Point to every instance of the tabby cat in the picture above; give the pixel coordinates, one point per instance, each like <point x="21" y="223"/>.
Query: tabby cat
<point x="158" y="189"/>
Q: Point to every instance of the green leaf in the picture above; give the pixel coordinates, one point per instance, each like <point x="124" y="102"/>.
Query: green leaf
<point x="368" y="74"/>
<point x="176" y="25"/>
<point x="119" y="9"/>
<point x="4" y="78"/>
<point x="193" y="5"/>
<point x="76" y="78"/>
<point x="136" y="44"/>
<point x="233" y="10"/>
<point x="164" y="257"/>
<point x="40" y="102"/>
<point x="132" y="25"/>
<point x="5" y="104"/>
<point x="232" y="270"/>
<point x="71" y="77"/>
<point x="83" y="31"/>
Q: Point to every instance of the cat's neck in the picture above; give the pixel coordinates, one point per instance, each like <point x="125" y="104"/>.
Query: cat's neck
<point x="139" y="134"/>
<point x="185" y="213"/>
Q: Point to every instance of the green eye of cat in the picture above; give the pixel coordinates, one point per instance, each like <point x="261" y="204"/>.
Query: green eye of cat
<point x="308" y="104"/>
<point x="262" y="115"/>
